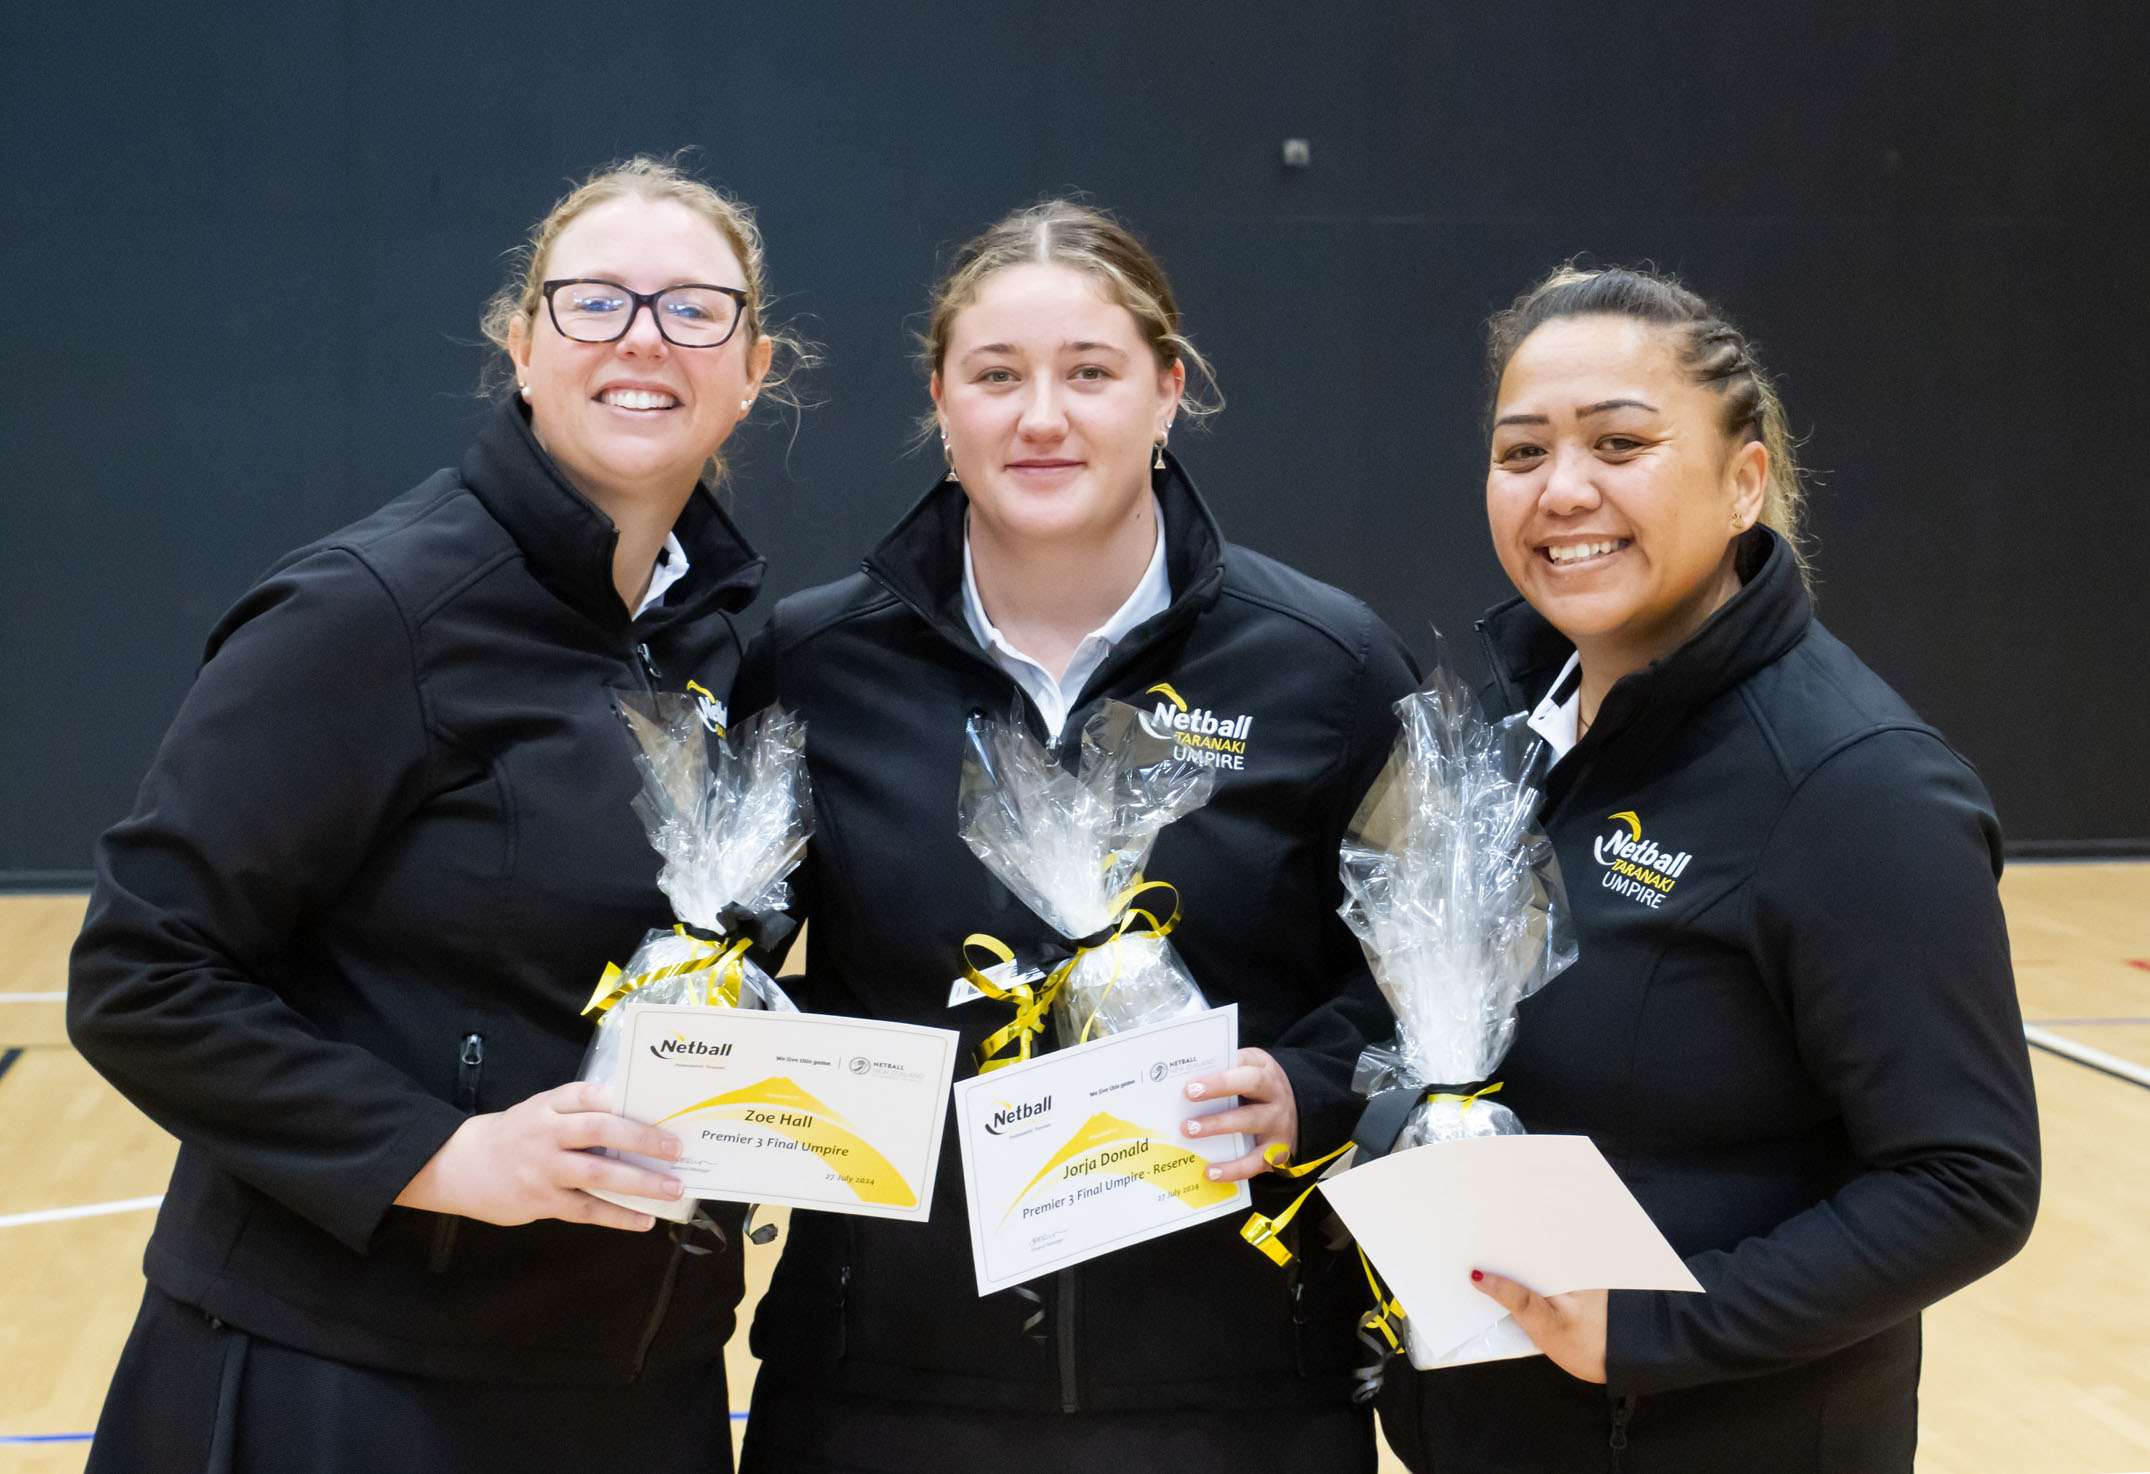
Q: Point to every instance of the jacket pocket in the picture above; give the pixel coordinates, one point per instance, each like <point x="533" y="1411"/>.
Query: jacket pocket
<point x="469" y="1067"/>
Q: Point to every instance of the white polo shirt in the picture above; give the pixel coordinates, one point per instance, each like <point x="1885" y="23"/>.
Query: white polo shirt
<point x="1151" y="597"/>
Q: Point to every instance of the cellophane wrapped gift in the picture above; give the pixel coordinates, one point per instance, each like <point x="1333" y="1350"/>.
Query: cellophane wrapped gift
<point x="730" y="816"/>
<point x="1452" y="889"/>
<point x="1071" y="846"/>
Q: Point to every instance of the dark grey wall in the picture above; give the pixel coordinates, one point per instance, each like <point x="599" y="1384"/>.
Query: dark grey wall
<point x="245" y="247"/>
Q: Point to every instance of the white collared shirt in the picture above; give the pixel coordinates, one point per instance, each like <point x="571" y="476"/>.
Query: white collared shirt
<point x="1151" y="597"/>
<point x="670" y="568"/>
<point x="1560" y="713"/>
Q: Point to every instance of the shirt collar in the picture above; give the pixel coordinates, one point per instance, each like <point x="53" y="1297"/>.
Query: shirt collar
<point x="1152" y="595"/>
<point x="670" y="568"/>
<point x="1557" y="717"/>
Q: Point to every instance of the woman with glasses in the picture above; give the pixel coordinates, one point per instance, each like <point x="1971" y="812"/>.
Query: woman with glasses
<point x="1793" y="1028"/>
<point x="340" y="947"/>
<point x="1066" y="560"/>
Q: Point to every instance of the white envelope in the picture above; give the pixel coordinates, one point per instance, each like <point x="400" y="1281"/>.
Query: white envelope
<point x="1546" y="1211"/>
<point x="804" y="1109"/>
<point x="1079" y="1152"/>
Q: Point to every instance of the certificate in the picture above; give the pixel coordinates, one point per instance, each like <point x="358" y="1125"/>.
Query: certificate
<point x="804" y="1109"/>
<point x="1079" y="1152"/>
<point x="1546" y="1211"/>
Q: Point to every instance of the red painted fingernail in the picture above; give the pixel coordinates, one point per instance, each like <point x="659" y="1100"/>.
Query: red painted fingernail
<point x="1478" y="1274"/>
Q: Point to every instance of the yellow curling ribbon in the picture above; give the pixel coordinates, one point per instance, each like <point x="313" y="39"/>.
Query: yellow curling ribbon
<point x="1261" y="1230"/>
<point x="1033" y="1004"/>
<point x="726" y="966"/>
<point x="1387" y="1316"/>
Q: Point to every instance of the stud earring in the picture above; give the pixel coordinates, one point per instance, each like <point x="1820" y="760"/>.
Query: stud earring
<point x="524" y="390"/>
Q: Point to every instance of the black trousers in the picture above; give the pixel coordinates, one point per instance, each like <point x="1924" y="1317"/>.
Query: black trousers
<point x="803" y="1430"/>
<point x="193" y="1396"/>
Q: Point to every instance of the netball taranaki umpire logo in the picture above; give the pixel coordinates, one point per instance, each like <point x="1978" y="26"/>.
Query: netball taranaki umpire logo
<point x="1637" y="868"/>
<point x="1197" y="734"/>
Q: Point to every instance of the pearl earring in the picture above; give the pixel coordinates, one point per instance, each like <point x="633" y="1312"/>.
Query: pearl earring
<point x="524" y="390"/>
<point x="745" y="405"/>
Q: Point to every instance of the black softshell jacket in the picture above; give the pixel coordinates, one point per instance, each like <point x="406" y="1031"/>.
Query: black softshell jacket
<point x="376" y="867"/>
<point x="1793" y="1030"/>
<point x="885" y="672"/>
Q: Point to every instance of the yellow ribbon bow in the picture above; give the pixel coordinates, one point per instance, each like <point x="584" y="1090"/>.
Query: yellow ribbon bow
<point x="726" y="965"/>
<point x="1033" y="1004"/>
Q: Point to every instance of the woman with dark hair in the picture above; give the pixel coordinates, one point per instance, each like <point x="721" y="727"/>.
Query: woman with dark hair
<point x="1793" y="1026"/>
<point x="341" y="947"/>
<point x="1064" y="561"/>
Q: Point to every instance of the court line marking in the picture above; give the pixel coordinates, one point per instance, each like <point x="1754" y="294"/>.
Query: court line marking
<point x="2083" y="1054"/>
<point x="83" y="1210"/>
<point x="7" y="1060"/>
<point x="60" y="997"/>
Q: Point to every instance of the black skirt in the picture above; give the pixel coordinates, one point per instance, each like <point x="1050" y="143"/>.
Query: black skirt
<point x="806" y="1431"/>
<point x="195" y="1396"/>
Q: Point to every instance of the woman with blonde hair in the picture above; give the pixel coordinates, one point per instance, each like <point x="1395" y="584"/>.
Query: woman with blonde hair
<point x="340" y="947"/>
<point x="1793" y="1027"/>
<point x="1066" y="560"/>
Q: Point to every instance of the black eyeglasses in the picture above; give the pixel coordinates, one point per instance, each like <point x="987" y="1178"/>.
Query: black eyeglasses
<point x="693" y="315"/>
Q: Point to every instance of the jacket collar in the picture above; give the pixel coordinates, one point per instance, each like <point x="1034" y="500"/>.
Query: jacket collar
<point x="1756" y="626"/>
<point x="921" y="559"/>
<point x="568" y="543"/>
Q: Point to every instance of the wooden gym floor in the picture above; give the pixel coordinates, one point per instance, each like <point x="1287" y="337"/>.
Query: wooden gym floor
<point x="2044" y="1366"/>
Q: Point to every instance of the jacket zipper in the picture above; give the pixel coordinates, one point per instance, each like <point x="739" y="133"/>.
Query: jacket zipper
<point x="1623" y="1409"/>
<point x="469" y="1065"/>
<point x="1064" y="1334"/>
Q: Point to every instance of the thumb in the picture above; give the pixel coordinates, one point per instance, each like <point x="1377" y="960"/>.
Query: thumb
<point x="1519" y="1301"/>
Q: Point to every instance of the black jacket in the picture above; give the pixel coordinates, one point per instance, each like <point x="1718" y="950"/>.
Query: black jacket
<point x="885" y="671"/>
<point x="1793" y="1031"/>
<point x="378" y="863"/>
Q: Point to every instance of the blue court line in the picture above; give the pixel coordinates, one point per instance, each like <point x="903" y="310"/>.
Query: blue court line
<point x="737" y="1417"/>
<point x="8" y="1059"/>
<point x="44" y="1437"/>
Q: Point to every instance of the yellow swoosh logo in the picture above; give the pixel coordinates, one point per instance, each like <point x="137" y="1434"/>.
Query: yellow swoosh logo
<point x="1164" y="689"/>
<point x="1171" y="1169"/>
<point x="1633" y="821"/>
<point x="869" y="1175"/>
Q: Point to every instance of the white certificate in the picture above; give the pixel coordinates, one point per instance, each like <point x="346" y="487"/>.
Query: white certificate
<point x="805" y="1109"/>
<point x="1546" y="1211"/>
<point x="1079" y="1152"/>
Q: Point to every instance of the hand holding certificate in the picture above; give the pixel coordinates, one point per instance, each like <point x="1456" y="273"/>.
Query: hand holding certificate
<point x="1079" y="1153"/>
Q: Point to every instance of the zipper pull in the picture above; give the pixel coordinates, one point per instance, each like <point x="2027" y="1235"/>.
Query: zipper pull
<point x="1623" y="1410"/>
<point x="468" y="1065"/>
<point x="649" y="665"/>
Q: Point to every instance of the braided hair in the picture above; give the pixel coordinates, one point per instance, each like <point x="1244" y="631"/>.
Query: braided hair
<point x="1714" y="352"/>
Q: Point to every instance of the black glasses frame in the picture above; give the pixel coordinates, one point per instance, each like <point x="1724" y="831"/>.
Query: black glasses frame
<point x="642" y="300"/>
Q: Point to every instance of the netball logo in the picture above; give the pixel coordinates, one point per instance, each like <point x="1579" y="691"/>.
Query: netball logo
<point x="1637" y="868"/>
<point x="1197" y="734"/>
<point x="706" y="705"/>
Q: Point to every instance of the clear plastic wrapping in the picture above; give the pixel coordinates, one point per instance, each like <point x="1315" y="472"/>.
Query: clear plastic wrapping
<point x="730" y="817"/>
<point x="1453" y="891"/>
<point x="1071" y="846"/>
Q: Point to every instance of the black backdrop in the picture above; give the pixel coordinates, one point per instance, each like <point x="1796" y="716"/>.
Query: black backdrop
<point x="245" y="246"/>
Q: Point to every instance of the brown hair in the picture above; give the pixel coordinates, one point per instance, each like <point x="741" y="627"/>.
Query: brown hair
<point x="1088" y="240"/>
<point x="1708" y="347"/>
<point x="648" y="178"/>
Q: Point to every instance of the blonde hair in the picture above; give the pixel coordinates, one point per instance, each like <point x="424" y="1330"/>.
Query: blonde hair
<point x="1712" y="351"/>
<point x="1088" y="240"/>
<point x="647" y="178"/>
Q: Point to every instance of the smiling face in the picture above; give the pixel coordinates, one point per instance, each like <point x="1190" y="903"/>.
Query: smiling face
<point x="638" y="417"/>
<point x="1614" y="493"/>
<point x="1052" y="404"/>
